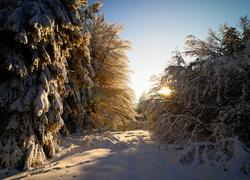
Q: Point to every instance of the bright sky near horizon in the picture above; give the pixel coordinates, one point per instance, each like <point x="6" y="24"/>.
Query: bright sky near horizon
<point x="156" y="27"/>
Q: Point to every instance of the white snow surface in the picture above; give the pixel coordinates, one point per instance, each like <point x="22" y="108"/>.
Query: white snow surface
<point x="129" y="155"/>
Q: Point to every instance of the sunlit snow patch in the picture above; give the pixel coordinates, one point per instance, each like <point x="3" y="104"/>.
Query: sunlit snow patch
<point x="106" y="139"/>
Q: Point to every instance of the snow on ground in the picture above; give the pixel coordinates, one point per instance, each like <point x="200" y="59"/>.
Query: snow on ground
<point x="130" y="155"/>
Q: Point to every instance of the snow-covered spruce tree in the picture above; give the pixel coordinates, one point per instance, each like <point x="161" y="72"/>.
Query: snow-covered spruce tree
<point x="141" y="115"/>
<point x="36" y="38"/>
<point x="140" y="106"/>
<point x="80" y="77"/>
<point x="211" y="102"/>
<point x="110" y="104"/>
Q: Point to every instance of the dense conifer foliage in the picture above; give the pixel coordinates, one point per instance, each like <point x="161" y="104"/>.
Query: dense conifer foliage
<point x="47" y="80"/>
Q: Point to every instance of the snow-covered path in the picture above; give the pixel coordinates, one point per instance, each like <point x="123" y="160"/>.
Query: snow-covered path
<point x="130" y="155"/>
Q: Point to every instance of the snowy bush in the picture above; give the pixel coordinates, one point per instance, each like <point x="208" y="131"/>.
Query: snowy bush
<point x="211" y="99"/>
<point x="230" y="154"/>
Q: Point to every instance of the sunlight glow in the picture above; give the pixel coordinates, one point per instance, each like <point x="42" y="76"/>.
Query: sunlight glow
<point x="166" y="91"/>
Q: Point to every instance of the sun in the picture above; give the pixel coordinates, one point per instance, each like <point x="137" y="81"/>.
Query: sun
<point x="165" y="91"/>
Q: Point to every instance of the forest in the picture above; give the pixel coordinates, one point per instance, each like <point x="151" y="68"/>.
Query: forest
<point x="65" y="71"/>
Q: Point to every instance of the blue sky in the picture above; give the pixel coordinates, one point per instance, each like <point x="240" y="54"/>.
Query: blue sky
<point x="156" y="27"/>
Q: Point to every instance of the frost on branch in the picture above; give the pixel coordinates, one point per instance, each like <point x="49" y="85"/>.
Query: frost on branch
<point x="110" y="103"/>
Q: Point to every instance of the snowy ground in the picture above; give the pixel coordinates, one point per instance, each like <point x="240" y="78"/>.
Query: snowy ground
<point x="130" y="155"/>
